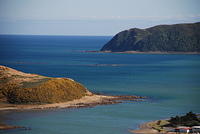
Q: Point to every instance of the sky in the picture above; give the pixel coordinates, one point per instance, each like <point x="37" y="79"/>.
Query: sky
<point x="92" y="17"/>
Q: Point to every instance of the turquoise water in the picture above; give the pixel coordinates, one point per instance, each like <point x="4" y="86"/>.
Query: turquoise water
<point x="171" y="83"/>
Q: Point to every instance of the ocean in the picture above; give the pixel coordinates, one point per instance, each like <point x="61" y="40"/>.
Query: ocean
<point x="171" y="83"/>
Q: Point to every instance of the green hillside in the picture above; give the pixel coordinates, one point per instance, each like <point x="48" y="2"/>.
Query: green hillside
<point x="164" y="38"/>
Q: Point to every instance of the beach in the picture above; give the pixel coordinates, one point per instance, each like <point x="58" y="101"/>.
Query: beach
<point x="86" y="101"/>
<point x="149" y="128"/>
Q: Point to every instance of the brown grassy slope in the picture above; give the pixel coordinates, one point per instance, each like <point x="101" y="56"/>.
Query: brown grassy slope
<point x="21" y="88"/>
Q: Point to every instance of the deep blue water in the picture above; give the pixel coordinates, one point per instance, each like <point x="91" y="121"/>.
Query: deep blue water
<point x="171" y="83"/>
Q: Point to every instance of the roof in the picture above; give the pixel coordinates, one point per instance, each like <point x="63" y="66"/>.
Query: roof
<point x="183" y="127"/>
<point x="196" y="127"/>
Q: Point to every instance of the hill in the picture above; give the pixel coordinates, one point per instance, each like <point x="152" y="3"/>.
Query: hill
<point x="23" y="88"/>
<point x="163" y="38"/>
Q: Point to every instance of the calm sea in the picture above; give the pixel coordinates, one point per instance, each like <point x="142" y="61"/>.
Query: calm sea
<point x="171" y="83"/>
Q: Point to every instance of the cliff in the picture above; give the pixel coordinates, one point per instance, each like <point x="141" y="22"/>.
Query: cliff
<point x="164" y="38"/>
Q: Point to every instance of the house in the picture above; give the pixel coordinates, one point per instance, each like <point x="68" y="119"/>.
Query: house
<point x="183" y="129"/>
<point x="196" y="129"/>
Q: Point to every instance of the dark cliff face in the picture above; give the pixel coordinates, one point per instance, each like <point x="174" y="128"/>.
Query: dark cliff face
<point x="179" y="37"/>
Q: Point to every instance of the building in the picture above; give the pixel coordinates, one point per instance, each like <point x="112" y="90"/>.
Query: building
<point x="183" y="129"/>
<point x="196" y="129"/>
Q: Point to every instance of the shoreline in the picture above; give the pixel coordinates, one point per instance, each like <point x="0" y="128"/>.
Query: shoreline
<point x="35" y="83"/>
<point x="140" y="52"/>
<point x="8" y="127"/>
<point x="152" y="127"/>
<point x="84" y="102"/>
<point x="143" y="129"/>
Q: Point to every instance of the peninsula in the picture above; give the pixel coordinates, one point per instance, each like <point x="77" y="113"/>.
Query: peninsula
<point x="178" y="38"/>
<point x="20" y="90"/>
<point x="24" y="91"/>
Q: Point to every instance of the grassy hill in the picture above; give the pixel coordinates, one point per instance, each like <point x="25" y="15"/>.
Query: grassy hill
<point x="164" y="38"/>
<point x="23" y="88"/>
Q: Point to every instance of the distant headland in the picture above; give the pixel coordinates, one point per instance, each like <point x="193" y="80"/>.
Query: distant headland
<point x="177" y="38"/>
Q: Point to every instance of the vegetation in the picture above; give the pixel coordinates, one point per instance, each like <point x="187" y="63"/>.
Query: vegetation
<point x="35" y="89"/>
<point x="190" y="119"/>
<point x="51" y="91"/>
<point x="164" y="38"/>
<point x="158" y="125"/>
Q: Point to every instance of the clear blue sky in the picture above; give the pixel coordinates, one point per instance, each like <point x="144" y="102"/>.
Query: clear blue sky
<point x="92" y="17"/>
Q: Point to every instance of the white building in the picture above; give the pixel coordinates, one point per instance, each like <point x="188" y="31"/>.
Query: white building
<point x="196" y="129"/>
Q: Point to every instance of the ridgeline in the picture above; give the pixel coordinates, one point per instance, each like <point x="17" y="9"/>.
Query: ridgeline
<point x="161" y="38"/>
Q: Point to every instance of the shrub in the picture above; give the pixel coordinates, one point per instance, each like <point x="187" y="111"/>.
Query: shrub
<point x="190" y="119"/>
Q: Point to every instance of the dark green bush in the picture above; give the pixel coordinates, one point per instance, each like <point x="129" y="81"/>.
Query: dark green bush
<point x="190" y="119"/>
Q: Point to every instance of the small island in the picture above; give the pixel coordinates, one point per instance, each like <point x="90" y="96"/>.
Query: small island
<point x="178" y="38"/>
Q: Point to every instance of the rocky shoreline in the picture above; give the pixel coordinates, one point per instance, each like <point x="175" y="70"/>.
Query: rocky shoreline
<point x="86" y="101"/>
<point x="8" y="127"/>
<point x="24" y="91"/>
<point x="153" y="127"/>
